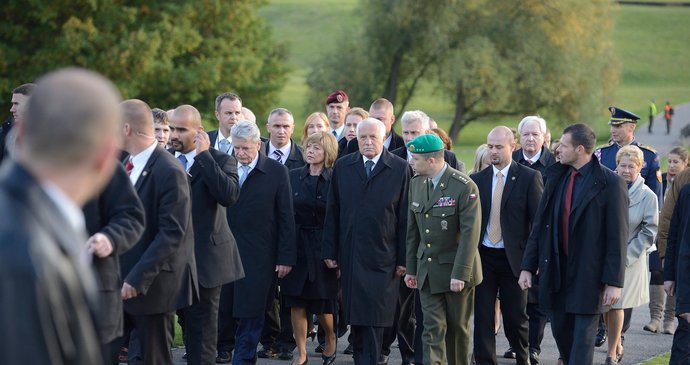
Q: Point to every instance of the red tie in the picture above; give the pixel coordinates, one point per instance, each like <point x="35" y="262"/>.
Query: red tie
<point x="129" y="166"/>
<point x="565" y="217"/>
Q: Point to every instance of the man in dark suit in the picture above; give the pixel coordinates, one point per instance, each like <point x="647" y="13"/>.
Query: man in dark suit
<point x="509" y="194"/>
<point x="364" y="235"/>
<point x="263" y="223"/>
<point x="678" y="276"/>
<point x="20" y="95"/>
<point x="578" y="244"/>
<point x="214" y="186"/>
<point x="66" y="152"/>
<point x="280" y="145"/>
<point x="383" y="110"/>
<point x="534" y="153"/>
<point x="228" y="112"/>
<point x="159" y="271"/>
<point x="115" y="221"/>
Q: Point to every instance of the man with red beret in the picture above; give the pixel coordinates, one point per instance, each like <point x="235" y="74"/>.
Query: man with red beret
<point x="337" y="106"/>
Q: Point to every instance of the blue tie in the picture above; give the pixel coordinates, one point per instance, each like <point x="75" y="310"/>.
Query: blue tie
<point x="278" y="155"/>
<point x="245" y="172"/>
<point x="368" y="166"/>
<point x="224" y="145"/>
<point x="183" y="161"/>
<point x="335" y="134"/>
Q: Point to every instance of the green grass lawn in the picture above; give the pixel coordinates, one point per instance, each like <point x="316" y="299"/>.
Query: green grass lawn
<point x="659" y="360"/>
<point x="651" y="43"/>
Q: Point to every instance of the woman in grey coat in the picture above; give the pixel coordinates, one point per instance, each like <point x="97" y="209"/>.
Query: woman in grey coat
<point x="643" y="213"/>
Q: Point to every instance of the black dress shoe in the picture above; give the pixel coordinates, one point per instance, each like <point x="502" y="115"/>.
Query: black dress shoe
<point x="533" y="357"/>
<point x="509" y="354"/>
<point x="223" y="357"/>
<point x="267" y="353"/>
<point x="285" y="355"/>
<point x="349" y="350"/>
<point x="383" y="360"/>
<point x="602" y="335"/>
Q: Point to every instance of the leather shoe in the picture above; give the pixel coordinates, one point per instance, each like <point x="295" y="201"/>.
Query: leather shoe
<point x="610" y="361"/>
<point x="285" y="355"/>
<point x="223" y="357"/>
<point x="602" y="335"/>
<point x="328" y="360"/>
<point x="533" y="357"/>
<point x="509" y="354"/>
<point x="267" y="353"/>
<point x="349" y="350"/>
<point x="383" y="360"/>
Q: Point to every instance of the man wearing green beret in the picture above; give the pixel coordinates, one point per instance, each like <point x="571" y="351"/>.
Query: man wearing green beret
<point x="443" y="227"/>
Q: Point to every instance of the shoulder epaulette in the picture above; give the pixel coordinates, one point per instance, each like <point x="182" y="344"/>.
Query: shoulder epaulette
<point x="603" y="146"/>
<point x="646" y="147"/>
<point x="460" y="177"/>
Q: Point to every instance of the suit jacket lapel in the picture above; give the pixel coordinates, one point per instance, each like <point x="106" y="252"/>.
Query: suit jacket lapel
<point x="511" y="180"/>
<point x="194" y="172"/>
<point x="384" y="161"/>
<point x="147" y="169"/>
<point x="592" y="187"/>
<point x="485" y="181"/>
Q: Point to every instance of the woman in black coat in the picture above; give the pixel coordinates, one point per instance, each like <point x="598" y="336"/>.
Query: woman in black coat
<point x="311" y="287"/>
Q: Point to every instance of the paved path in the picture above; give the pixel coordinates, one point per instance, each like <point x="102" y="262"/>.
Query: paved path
<point x="639" y="346"/>
<point x="659" y="139"/>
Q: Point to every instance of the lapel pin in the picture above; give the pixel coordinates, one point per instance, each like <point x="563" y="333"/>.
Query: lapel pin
<point x="512" y="178"/>
<point x="144" y="173"/>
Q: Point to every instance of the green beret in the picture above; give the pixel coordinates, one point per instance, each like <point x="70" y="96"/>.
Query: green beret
<point x="425" y="143"/>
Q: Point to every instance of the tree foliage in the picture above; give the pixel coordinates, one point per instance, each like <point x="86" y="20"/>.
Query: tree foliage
<point x="490" y="58"/>
<point x="166" y="53"/>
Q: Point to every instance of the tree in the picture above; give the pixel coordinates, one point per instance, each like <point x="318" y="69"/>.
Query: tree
<point x="491" y="58"/>
<point x="166" y="53"/>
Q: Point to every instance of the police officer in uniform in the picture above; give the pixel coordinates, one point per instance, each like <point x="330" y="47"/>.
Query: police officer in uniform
<point x="443" y="228"/>
<point x="623" y="125"/>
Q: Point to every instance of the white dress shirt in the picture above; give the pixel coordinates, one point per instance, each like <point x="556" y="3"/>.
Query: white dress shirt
<point x="139" y="162"/>
<point x="486" y="242"/>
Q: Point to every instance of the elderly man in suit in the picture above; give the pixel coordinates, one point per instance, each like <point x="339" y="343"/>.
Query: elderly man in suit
<point x="264" y="226"/>
<point x="66" y="152"/>
<point x="364" y="236"/>
<point x="532" y="152"/>
<point x="578" y="244"/>
<point x="160" y="270"/>
<point x="443" y="263"/>
<point x="214" y="186"/>
<point x="115" y="221"/>
<point x="509" y="193"/>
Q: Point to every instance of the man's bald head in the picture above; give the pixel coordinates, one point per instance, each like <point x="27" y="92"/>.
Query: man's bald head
<point x="504" y="133"/>
<point x="138" y="115"/>
<point x="71" y="116"/>
<point x="383" y="110"/>
<point x="500" y="143"/>
<point x="187" y="112"/>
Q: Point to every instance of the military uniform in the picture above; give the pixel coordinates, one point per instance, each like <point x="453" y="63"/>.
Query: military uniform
<point x="443" y="230"/>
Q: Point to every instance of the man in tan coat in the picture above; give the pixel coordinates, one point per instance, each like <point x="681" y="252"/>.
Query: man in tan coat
<point x="443" y="223"/>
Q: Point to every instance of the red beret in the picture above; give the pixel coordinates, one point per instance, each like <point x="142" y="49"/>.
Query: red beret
<point x="336" y="97"/>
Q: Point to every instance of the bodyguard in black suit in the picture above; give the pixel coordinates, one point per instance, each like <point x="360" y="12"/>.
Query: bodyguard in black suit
<point x="508" y="209"/>
<point x="364" y="235"/>
<point x="383" y="110"/>
<point x="65" y="155"/>
<point x="115" y="222"/>
<point x="228" y="112"/>
<point x="263" y="223"/>
<point x="214" y="186"/>
<point x="580" y="251"/>
<point x="678" y="276"/>
<point x="159" y="271"/>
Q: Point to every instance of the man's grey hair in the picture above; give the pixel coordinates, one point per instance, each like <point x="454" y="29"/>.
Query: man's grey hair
<point x="246" y="130"/>
<point x="414" y="116"/>
<point x="381" y="128"/>
<point x="532" y="118"/>
<point x="280" y="111"/>
<point x="70" y="114"/>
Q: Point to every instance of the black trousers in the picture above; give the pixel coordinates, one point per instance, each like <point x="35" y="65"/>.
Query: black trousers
<point x="680" y="351"/>
<point x="201" y="327"/>
<point x="537" y="323"/>
<point x="277" y="332"/>
<point x="366" y="343"/>
<point x="498" y="276"/>
<point x="227" y="325"/>
<point x="155" y="336"/>
<point x="403" y="326"/>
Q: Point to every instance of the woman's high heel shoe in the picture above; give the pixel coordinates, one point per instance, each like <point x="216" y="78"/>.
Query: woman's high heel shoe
<point x="328" y="360"/>
<point x="312" y="334"/>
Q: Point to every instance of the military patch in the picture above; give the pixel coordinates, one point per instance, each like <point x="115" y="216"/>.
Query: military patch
<point x="445" y="201"/>
<point x="415" y="204"/>
<point x="461" y="178"/>
<point x="472" y="197"/>
<point x="646" y="147"/>
<point x="339" y="97"/>
<point x="444" y="225"/>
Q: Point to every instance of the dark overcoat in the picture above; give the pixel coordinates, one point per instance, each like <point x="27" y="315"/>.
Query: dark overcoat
<point x="598" y="240"/>
<point x="310" y="278"/>
<point x="365" y="229"/>
<point x="264" y="227"/>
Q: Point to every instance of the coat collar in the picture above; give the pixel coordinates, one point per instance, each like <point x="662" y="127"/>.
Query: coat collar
<point x="637" y="191"/>
<point x="384" y="162"/>
<point x="325" y="173"/>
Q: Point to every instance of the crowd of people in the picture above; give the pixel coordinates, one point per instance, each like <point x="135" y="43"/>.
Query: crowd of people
<point x="123" y="219"/>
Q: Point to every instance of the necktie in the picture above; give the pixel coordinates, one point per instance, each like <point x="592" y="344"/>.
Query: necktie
<point x="129" y="166"/>
<point x="278" y="155"/>
<point x="183" y="161"/>
<point x="495" y="217"/>
<point x="335" y="134"/>
<point x="429" y="188"/>
<point x="224" y="145"/>
<point x="565" y="217"/>
<point x="368" y="166"/>
<point x="245" y="172"/>
<point x="529" y="162"/>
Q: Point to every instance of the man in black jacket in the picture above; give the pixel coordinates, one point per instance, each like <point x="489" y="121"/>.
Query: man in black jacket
<point x="20" y="95"/>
